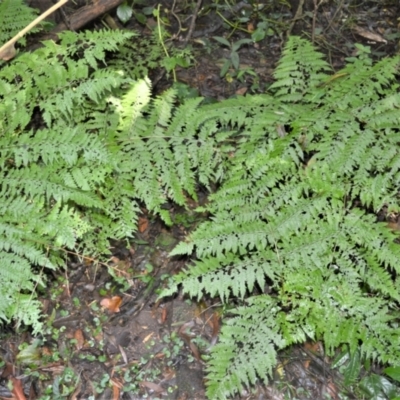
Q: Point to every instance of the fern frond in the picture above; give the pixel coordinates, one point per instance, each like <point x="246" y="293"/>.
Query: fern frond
<point x="254" y="327"/>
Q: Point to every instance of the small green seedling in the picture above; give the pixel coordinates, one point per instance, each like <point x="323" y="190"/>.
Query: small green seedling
<point x="233" y="59"/>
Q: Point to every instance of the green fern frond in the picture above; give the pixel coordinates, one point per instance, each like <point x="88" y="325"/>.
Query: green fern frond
<point x="306" y="169"/>
<point x="15" y="16"/>
<point x="254" y="327"/>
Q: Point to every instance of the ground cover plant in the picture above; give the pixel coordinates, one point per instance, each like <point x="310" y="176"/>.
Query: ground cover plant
<point x="298" y="174"/>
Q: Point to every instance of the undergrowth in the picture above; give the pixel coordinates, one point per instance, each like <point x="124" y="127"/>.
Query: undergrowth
<point x="301" y="172"/>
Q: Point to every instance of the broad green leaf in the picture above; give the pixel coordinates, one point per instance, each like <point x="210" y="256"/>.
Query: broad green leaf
<point x="124" y="12"/>
<point x="222" y="40"/>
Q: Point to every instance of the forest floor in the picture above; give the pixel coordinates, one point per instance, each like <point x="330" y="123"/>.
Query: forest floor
<point x="107" y="337"/>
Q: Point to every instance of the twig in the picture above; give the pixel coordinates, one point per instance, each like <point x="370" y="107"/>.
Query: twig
<point x="297" y="16"/>
<point x="314" y="20"/>
<point x="193" y="22"/>
<point x="8" y="49"/>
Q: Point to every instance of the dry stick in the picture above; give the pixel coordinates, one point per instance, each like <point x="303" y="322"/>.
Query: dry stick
<point x="7" y="51"/>
<point x="314" y="20"/>
<point x="193" y="22"/>
<point x="338" y="8"/>
<point x="297" y="16"/>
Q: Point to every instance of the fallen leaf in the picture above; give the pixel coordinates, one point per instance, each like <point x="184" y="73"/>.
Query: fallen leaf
<point x="241" y="91"/>
<point x="17" y="390"/>
<point x="143" y="223"/>
<point x="7" y="370"/>
<point x="215" y="323"/>
<point x="116" y="392"/>
<point x="394" y="226"/>
<point x="115" y="260"/>
<point x="46" y="351"/>
<point x="112" y="304"/>
<point x="147" y="338"/>
<point x="123" y="354"/>
<point x="152" y="386"/>
<point x="88" y="261"/>
<point x="164" y="314"/>
<point x="8" y="53"/>
<point x="80" y="340"/>
<point x="74" y="395"/>
<point x="314" y="347"/>
<point x="187" y="337"/>
<point x="369" y="35"/>
<point x="194" y="349"/>
<point x="330" y="390"/>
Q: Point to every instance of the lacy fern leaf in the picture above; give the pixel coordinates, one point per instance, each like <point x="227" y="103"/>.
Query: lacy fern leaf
<point x="309" y="166"/>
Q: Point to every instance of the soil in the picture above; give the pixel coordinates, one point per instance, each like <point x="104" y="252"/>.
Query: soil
<point x="107" y="336"/>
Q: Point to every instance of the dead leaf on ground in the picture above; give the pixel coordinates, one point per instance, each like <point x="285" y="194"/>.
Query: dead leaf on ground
<point x="75" y="394"/>
<point x="330" y="390"/>
<point x="164" y="314"/>
<point x="152" y="386"/>
<point x="112" y="304"/>
<point x="314" y="347"/>
<point x="148" y="337"/>
<point x="17" y="389"/>
<point x="80" y="340"/>
<point x="369" y="35"/>
<point x="187" y="338"/>
<point x="8" y="53"/>
<point x="116" y="390"/>
<point x="241" y="91"/>
<point x="143" y="223"/>
<point x="123" y="354"/>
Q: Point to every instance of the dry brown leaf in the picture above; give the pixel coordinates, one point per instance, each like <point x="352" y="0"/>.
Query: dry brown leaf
<point x="314" y="347"/>
<point x="88" y="261"/>
<point x="116" y="381"/>
<point x="46" y="351"/>
<point x="241" y="91"/>
<point x="331" y="391"/>
<point x="143" y="223"/>
<point x="123" y="354"/>
<point x="148" y="337"/>
<point x="394" y="226"/>
<point x="195" y="350"/>
<point x="55" y="368"/>
<point x="369" y="35"/>
<point x="152" y="386"/>
<point x="187" y="338"/>
<point x="116" y="392"/>
<point x="164" y="314"/>
<point x="8" y="53"/>
<point x="74" y="395"/>
<point x="7" y="370"/>
<point x="215" y="322"/>
<point x="17" y="390"/>
<point x="80" y="340"/>
<point x="112" y="304"/>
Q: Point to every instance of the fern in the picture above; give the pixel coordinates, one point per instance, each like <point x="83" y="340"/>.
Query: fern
<point x="81" y="144"/>
<point x="300" y="173"/>
<point x="15" y="16"/>
<point x="61" y="185"/>
<point x="295" y="211"/>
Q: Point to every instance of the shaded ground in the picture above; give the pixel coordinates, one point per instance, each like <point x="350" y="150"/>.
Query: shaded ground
<point x="107" y="336"/>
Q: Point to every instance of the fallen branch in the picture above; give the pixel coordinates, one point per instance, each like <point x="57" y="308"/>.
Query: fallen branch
<point x="86" y="14"/>
<point x="7" y="51"/>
